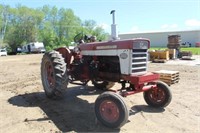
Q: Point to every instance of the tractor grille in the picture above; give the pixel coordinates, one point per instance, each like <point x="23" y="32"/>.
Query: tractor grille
<point x="139" y="61"/>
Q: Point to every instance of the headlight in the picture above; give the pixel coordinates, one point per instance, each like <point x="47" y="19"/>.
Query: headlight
<point x="140" y="44"/>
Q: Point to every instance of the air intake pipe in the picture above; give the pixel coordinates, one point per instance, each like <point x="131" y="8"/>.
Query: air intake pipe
<point x="114" y="34"/>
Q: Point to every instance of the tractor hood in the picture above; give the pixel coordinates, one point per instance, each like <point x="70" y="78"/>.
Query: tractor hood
<point x="137" y="43"/>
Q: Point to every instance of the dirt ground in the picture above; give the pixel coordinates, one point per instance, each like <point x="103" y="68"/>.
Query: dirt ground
<point x="25" y="108"/>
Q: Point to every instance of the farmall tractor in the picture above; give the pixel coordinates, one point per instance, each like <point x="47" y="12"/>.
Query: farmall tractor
<point x="104" y="64"/>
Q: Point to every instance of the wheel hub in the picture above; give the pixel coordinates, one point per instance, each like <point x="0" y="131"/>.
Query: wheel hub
<point x="109" y="111"/>
<point x="49" y="74"/>
<point x="157" y="95"/>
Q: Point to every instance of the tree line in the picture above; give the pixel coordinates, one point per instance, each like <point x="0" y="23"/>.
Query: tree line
<point x="53" y="26"/>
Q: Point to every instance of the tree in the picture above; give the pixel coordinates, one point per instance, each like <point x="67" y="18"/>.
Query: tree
<point x="54" y="27"/>
<point x="91" y="28"/>
<point x="69" y="25"/>
<point x="23" y="26"/>
<point x="4" y="12"/>
<point x="62" y="23"/>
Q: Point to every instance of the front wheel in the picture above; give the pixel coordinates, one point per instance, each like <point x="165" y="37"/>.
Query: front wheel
<point x="158" y="97"/>
<point x="111" y="110"/>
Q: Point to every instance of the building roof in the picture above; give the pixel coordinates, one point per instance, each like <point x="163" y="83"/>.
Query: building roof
<point x="156" y="32"/>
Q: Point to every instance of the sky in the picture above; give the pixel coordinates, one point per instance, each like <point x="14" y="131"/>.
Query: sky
<point x="132" y="16"/>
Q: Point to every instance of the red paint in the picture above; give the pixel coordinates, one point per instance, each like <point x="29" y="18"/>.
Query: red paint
<point x="197" y="44"/>
<point x="109" y="111"/>
<point x="121" y="44"/>
<point x="66" y="54"/>
<point x="141" y="79"/>
<point x="157" y="95"/>
<point x="49" y="74"/>
<point x="138" y="90"/>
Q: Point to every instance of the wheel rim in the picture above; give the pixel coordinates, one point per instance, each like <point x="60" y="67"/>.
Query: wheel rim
<point x="157" y="95"/>
<point x="109" y="111"/>
<point x="49" y="75"/>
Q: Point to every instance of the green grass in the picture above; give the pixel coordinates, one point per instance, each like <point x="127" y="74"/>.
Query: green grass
<point x="194" y="50"/>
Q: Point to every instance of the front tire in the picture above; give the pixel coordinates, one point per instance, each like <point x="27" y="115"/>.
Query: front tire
<point x="111" y="110"/>
<point x="159" y="97"/>
<point x="54" y="74"/>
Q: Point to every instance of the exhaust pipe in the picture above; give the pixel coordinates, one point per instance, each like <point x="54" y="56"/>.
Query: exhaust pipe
<point x="114" y="34"/>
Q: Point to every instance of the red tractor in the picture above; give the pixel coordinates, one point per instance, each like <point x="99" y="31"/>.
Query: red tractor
<point x="104" y="64"/>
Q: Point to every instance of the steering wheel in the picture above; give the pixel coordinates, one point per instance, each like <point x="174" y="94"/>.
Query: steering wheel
<point x="78" y="38"/>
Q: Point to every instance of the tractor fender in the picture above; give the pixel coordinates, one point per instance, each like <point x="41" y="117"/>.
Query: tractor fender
<point x="66" y="54"/>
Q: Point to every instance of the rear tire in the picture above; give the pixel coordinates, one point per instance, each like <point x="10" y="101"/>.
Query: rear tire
<point x="103" y="85"/>
<point x="111" y="110"/>
<point x="160" y="97"/>
<point x="54" y="74"/>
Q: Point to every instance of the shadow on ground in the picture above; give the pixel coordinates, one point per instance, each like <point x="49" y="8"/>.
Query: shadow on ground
<point x="69" y="114"/>
<point x="145" y="108"/>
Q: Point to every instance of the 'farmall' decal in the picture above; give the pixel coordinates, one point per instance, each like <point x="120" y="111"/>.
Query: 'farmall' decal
<point x="107" y="47"/>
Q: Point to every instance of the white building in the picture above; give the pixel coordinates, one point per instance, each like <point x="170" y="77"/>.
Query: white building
<point x="160" y="39"/>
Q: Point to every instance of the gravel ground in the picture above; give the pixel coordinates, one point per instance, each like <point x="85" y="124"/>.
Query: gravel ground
<point x="25" y="108"/>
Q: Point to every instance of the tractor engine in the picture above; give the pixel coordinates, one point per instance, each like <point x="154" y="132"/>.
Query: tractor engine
<point x="110" y="60"/>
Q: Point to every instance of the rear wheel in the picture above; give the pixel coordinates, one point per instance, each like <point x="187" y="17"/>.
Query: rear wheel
<point x="103" y="85"/>
<point x="159" y="97"/>
<point x="111" y="110"/>
<point x="54" y="74"/>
